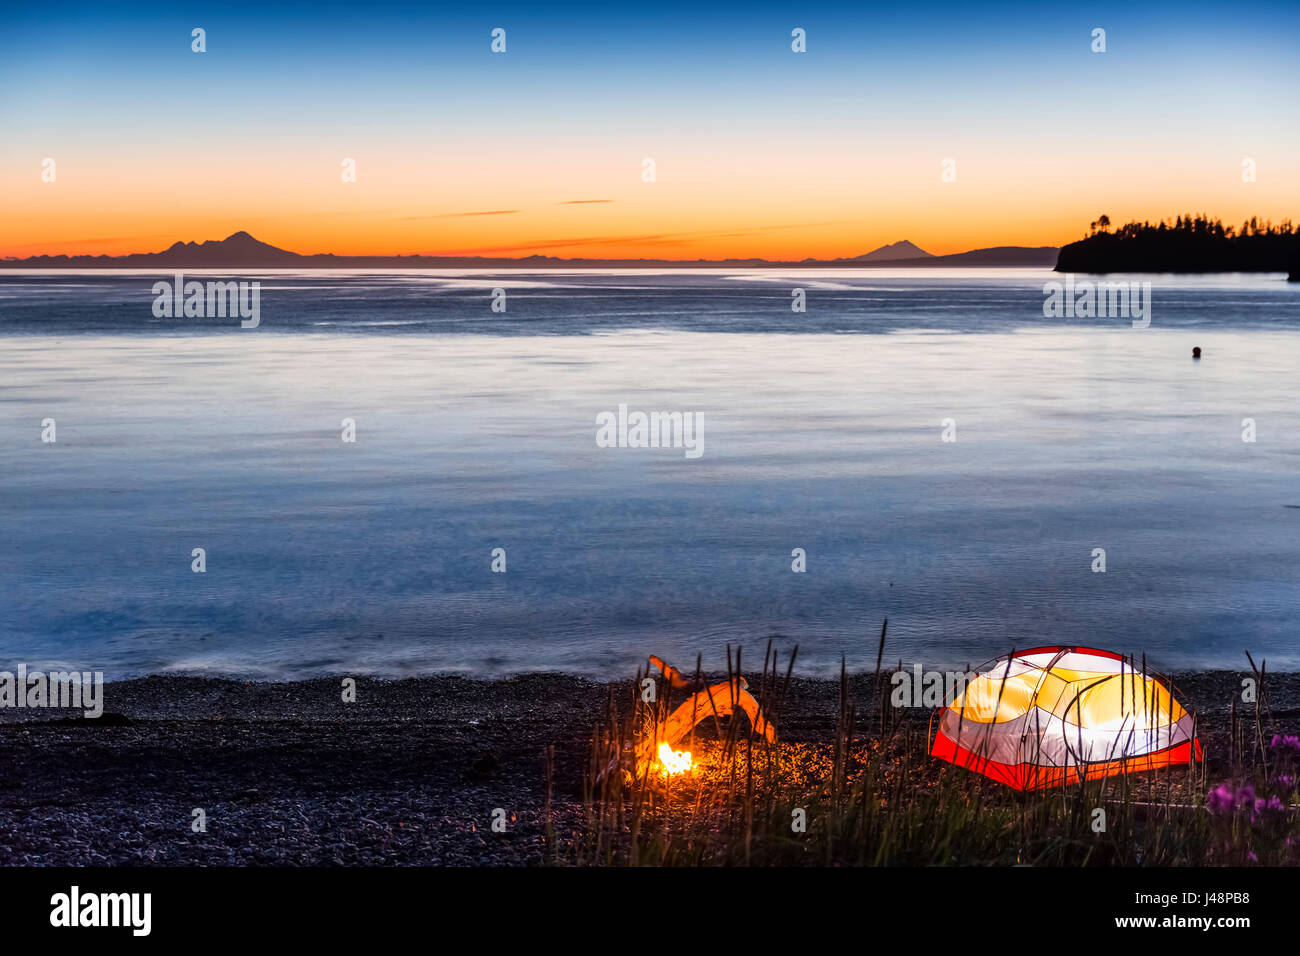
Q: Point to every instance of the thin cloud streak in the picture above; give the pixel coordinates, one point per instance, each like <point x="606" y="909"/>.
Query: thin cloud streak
<point x="460" y="215"/>
<point x="658" y="239"/>
<point x="87" y="242"/>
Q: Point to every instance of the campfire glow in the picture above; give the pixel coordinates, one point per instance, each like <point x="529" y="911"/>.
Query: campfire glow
<point x="653" y="753"/>
<point x="672" y="762"/>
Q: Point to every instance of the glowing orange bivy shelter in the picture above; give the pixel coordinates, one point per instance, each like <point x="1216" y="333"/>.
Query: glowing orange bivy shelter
<point x="1054" y="715"/>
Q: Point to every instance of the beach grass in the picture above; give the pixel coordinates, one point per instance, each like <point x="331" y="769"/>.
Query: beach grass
<point x="871" y="795"/>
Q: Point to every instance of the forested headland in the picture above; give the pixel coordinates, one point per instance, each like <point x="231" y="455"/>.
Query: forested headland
<point x="1189" y="243"/>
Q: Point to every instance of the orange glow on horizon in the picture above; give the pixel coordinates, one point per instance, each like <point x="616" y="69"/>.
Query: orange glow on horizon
<point x="603" y="210"/>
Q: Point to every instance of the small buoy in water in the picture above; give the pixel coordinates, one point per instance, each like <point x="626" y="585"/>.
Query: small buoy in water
<point x="1196" y="352"/>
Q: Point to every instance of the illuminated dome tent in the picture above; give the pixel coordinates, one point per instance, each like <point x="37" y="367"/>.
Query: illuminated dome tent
<point x="1054" y="715"/>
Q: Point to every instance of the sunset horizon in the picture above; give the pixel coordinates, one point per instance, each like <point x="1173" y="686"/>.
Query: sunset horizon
<point x="401" y="132"/>
<point x="562" y="249"/>
<point x="70" y="250"/>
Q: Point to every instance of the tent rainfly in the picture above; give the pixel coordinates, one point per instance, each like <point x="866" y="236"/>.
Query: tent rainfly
<point x="1054" y="715"/>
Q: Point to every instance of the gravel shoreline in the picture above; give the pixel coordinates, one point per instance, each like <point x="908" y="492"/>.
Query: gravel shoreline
<point x="289" y="774"/>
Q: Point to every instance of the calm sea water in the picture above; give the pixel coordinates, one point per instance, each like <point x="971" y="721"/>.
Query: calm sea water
<point x="476" y="430"/>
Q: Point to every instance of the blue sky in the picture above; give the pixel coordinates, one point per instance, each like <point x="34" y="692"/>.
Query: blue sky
<point x="1182" y="94"/>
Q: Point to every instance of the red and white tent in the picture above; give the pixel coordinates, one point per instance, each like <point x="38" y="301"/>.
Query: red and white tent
<point x="1055" y="715"/>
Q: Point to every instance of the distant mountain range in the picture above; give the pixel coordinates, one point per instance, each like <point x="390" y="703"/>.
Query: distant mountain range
<point x="242" y="251"/>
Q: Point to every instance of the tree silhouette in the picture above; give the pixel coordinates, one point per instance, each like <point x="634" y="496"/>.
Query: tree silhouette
<point x="1192" y="243"/>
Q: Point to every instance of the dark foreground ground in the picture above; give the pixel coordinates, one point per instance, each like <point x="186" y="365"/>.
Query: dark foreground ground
<point x="409" y="774"/>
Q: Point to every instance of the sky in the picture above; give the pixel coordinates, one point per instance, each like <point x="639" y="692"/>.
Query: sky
<point x="757" y="150"/>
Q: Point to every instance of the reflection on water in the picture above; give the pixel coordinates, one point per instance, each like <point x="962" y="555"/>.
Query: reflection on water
<point x="375" y="557"/>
